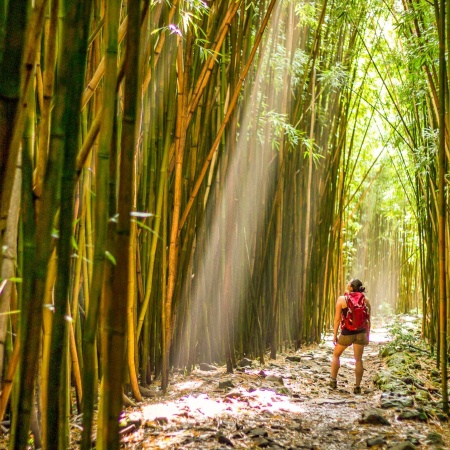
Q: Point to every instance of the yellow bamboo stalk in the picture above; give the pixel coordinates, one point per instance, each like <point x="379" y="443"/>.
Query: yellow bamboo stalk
<point x="89" y="141"/>
<point x="75" y="362"/>
<point x="99" y="72"/>
<point x="130" y="315"/>
<point x="47" y="336"/>
<point x="180" y="136"/>
<point x="9" y="378"/>
<point x="78" y="265"/>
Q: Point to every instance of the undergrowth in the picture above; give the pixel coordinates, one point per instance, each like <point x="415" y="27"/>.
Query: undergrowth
<point x="405" y="334"/>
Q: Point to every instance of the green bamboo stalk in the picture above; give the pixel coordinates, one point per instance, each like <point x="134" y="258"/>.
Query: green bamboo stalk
<point x="107" y="296"/>
<point x="16" y="68"/>
<point x="10" y="89"/>
<point x="101" y="217"/>
<point x="116" y="311"/>
<point x="69" y="87"/>
<point x="48" y="83"/>
<point x="3" y="16"/>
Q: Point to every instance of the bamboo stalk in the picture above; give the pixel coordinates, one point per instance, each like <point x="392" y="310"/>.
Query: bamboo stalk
<point x="69" y="87"/>
<point x="13" y="105"/>
<point x="173" y="239"/>
<point x="98" y="75"/>
<point x="8" y="268"/>
<point x="20" y="428"/>
<point x="442" y="209"/>
<point x="48" y="82"/>
<point x="46" y="341"/>
<point x="8" y="379"/>
<point x="10" y="83"/>
<point x="130" y="316"/>
<point x="101" y="215"/>
<point x="114" y="369"/>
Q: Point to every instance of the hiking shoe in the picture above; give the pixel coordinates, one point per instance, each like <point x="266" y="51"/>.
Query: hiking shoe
<point x="357" y="390"/>
<point x="333" y="383"/>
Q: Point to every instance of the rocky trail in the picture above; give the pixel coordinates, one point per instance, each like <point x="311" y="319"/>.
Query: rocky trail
<point x="287" y="404"/>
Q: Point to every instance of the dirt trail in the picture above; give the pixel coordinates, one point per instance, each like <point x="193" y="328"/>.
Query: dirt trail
<point x="285" y="404"/>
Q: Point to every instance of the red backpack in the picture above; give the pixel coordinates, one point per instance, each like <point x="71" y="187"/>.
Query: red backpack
<point x="357" y="316"/>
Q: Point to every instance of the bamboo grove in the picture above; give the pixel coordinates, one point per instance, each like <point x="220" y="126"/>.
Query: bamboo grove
<point x="186" y="181"/>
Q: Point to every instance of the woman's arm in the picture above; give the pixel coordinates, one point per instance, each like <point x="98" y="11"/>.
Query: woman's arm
<point x="341" y="303"/>
<point x="369" y="309"/>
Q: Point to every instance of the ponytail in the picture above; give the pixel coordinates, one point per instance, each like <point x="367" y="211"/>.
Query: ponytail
<point x="357" y="285"/>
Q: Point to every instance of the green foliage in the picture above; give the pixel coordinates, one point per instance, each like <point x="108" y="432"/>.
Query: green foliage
<point x="404" y="332"/>
<point x="334" y="78"/>
<point x="310" y="147"/>
<point x="192" y="12"/>
<point x="280" y="63"/>
<point x="281" y="127"/>
<point x="306" y="14"/>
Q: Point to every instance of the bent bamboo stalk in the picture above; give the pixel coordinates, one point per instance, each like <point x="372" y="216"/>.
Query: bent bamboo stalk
<point x="9" y="378"/>
<point x="100" y="71"/>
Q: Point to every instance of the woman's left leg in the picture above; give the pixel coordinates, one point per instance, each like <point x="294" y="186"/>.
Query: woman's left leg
<point x="335" y="360"/>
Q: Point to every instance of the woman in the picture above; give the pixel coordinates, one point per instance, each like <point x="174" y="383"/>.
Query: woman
<point x="359" y="337"/>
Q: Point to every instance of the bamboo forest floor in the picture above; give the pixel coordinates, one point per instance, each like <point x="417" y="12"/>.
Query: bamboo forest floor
<point x="287" y="404"/>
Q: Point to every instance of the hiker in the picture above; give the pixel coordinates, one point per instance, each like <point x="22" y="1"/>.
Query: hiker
<point x="353" y="317"/>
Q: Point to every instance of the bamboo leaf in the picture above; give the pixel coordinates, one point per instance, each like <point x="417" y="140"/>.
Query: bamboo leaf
<point x="8" y="313"/>
<point x="141" y="214"/>
<point x="15" y="279"/>
<point x="74" y="243"/>
<point x="146" y="227"/>
<point x="110" y="257"/>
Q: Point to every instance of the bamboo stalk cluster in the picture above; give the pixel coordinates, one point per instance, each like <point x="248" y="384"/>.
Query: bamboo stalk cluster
<point x="175" y="185"/>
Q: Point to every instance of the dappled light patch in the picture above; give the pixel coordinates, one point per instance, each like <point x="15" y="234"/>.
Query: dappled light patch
<point x="188" y="385"/>
<point x="202" y="406"/>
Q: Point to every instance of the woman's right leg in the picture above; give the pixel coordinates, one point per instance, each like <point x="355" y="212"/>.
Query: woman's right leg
<point x="359" y="368"/>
